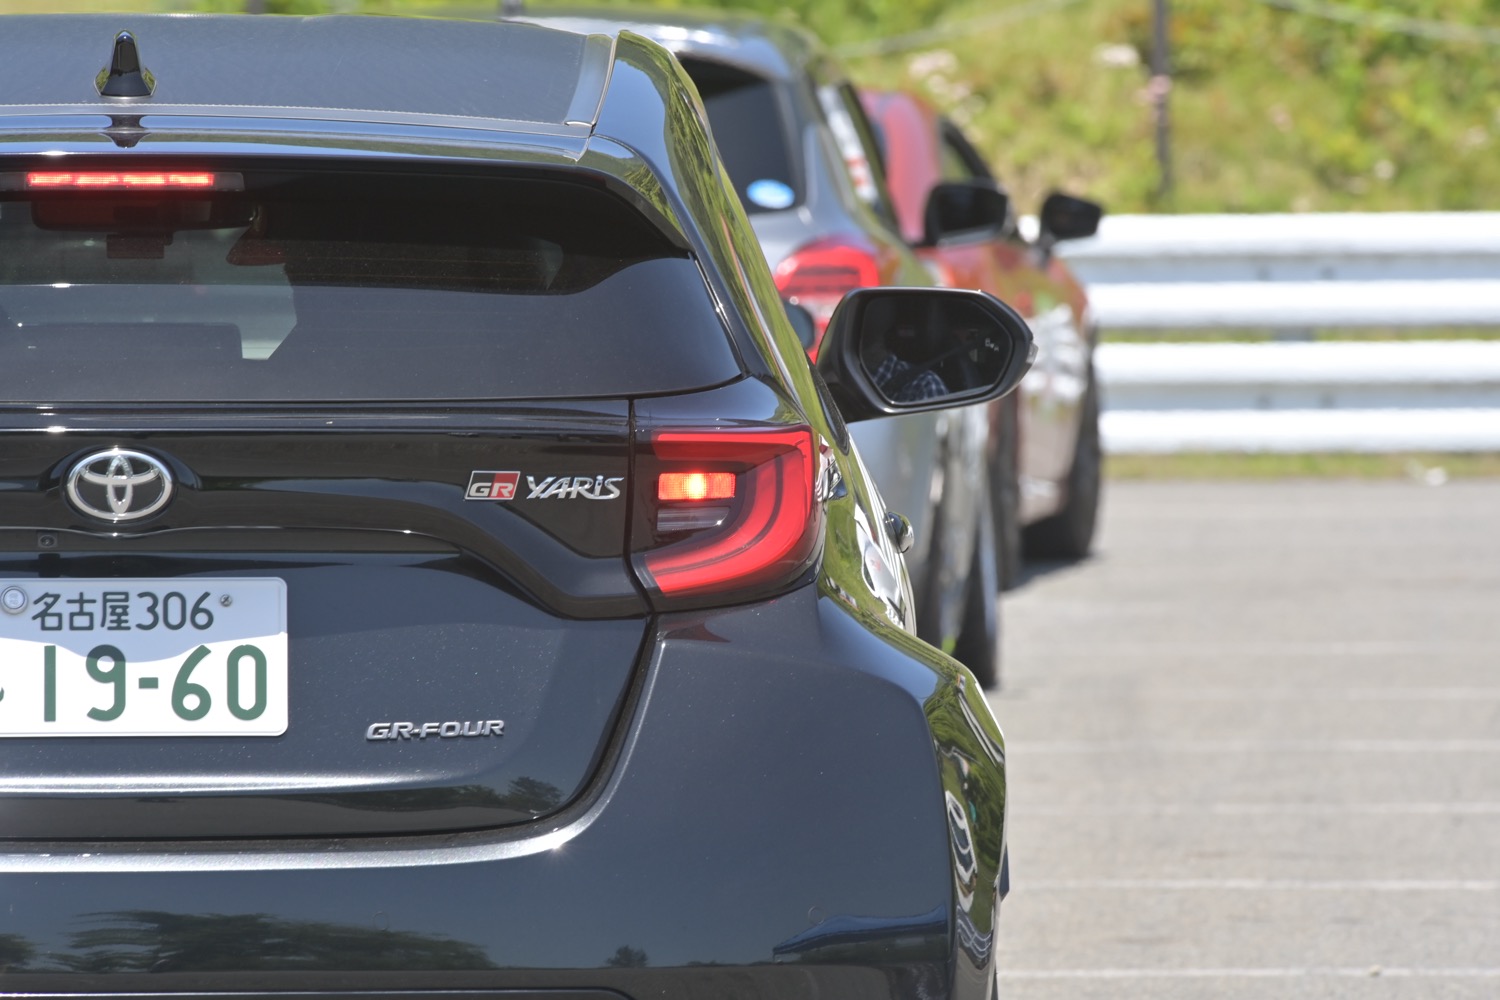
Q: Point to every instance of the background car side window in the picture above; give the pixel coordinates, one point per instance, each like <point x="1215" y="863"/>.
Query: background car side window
<point x="856" y="142"/>
<point x="744" y="112"/>
<point x="954" y="168"/>
<point x="961" y="161"/>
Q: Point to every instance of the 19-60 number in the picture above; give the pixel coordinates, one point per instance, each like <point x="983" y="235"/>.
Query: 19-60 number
<point x="190" y="701"/>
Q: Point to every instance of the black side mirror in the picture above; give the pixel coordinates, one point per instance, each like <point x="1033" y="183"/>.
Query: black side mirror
<point x="905" y="350"/>
<point x="965" y="210"/>
<point x="1065" y="217"/>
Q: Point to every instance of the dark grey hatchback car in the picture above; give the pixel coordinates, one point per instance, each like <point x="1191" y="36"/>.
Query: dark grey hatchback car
<point x="429" y="563"/>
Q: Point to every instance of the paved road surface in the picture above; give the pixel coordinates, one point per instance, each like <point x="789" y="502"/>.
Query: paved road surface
<point x="1254" y="748"/>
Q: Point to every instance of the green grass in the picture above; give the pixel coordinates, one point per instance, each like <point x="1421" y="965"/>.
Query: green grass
<point x="1426" y="468"/>
<point x="1271" y="110"/>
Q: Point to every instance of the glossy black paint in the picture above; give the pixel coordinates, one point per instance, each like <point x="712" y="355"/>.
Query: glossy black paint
<point x="735" y="716"/>
<point x="788" y="797"/>
<point x="397" y="470"/>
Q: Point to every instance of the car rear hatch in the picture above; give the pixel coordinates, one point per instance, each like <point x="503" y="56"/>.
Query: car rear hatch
<point x="314" y="498"/>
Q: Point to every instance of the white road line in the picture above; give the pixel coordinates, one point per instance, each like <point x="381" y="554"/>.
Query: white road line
<point x="1259" y="747"/>
<point x="1165" y="809"/>
<point x="1219" y="648"/>
<point x="1311" y="972"/>
<point x="1258" y="885"/>
<point x="1248" y="695"/>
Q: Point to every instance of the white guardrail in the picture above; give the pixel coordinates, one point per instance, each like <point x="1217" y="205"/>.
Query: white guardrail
<point x="1292" y="274"/>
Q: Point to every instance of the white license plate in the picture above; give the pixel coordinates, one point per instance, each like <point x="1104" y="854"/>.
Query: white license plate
<point x="162" y="657"/>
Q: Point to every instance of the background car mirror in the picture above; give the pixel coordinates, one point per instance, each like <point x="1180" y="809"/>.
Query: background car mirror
<point x="976" y="209"/>
<point x="1065" y="217"/>
<point x="903" y="350"/>
<point x="802" y="321"/>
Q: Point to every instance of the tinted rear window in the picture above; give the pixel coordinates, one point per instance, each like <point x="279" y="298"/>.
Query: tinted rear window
<point x="750" y="130"/>
<point x="325" y="287"/>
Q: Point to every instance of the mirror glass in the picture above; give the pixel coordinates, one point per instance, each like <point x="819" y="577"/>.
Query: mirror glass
<point x="917" y="348"/>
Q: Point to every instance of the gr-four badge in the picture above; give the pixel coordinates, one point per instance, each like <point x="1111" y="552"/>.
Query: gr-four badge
<point x="379" y="732"/>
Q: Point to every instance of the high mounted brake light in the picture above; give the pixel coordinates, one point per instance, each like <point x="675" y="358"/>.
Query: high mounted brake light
<point x="735" y="510"/>
<point x="97" y="180"/>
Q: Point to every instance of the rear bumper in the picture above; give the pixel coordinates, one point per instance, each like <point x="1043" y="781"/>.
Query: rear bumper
<point x="772" y="823"/>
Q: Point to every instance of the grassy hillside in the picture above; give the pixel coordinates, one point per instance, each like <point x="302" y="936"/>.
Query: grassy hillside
<point x="1272" y="109"/>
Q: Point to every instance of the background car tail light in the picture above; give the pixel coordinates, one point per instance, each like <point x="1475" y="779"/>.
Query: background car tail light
<point x="817" y="276"/>
<point x="727" y="510"/>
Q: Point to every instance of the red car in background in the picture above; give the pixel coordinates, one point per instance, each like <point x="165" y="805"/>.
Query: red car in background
<point x="1044" y="450"/>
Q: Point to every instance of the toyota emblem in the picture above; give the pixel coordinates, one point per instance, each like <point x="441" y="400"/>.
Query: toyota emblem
<point x="119" y="485"/>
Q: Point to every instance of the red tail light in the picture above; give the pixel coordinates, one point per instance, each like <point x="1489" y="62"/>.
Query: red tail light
<point x="817" y="276"/>
<point x="731" y="510"/>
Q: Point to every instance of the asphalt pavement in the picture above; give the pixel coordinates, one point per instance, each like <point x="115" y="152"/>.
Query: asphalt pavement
<point x="1254" y="747"/>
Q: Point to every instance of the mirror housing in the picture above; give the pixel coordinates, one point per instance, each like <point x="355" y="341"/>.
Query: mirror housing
<point x="803" y="322"/>
<point x="1065" y="217"/>
<point x="977" y="209"/>
<point x="890" y="351"/>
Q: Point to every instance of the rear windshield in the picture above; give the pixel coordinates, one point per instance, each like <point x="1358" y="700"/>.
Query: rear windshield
<point x="751" y="133"/>
<point x="266" y="286"/>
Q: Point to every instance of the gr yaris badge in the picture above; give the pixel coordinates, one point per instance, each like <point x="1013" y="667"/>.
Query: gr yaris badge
<point x="119" y="485"/>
